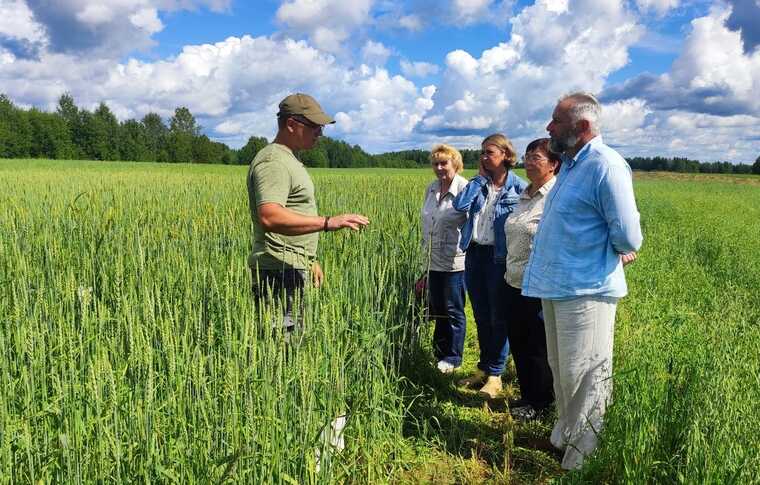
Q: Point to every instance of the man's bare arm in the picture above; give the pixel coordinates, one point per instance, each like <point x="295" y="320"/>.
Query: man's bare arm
<point x="276" y="218"/>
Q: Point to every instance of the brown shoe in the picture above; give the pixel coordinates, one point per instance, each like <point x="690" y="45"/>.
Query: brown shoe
<point x="474" y="380"/>
<point x="492" y="387"/>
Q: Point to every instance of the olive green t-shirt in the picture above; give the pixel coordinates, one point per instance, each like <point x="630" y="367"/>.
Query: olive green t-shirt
<point x="276" y="175"/>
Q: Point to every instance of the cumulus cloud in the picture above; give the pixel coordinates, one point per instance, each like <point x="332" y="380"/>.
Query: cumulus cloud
<point x="375" y="53"/>
<point x="147" y="20"/>
<point x="705" y="107"/>
<point x="555" y="46"/>
<point x="745" y="19"/>
<point x="622" y="117"/>
<point x="469" y="10"/>
<point x="382" y="106"/>
<point x="418" y="69"/>
<point x="660" y="7"/>
<point x="712" y="74"/>
<point x="702" y="136"/>
<point x="6" y="57"/>
<point x="76" y="25"/>
<point x="233" y="87"/>
<point x="105" y="29"/>
<point x="702" y="108"/>
<point x="327" y="23"/>
<point x="20" y="34"/>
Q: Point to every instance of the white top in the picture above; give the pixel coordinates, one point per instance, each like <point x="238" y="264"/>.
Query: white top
<point x="441" y="227"/>
<point x="482" y="225"/>
<point x="520" y="228"/>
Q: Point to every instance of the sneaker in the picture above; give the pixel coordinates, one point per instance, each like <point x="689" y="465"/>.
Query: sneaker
<point x="524" y="413"/>
<point x="474" y="380"/>
<point x="491" y="388"/>
<point x="446" y="367"/>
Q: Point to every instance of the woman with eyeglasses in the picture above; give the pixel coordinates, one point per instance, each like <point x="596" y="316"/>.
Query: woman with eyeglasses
<point x="444" y="261"/>
<point x="527" y="338"/>
<point x="488" y="199"/>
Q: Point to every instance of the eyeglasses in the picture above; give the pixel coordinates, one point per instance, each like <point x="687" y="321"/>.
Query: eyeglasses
<point x="306" y="122"/>
<point x="535" y="157"/>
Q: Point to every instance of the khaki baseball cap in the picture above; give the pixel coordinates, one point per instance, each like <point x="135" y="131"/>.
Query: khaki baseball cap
<point x="306" y="106"/>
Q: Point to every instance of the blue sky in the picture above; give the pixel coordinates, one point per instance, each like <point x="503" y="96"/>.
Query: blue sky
<point x="676" y="78"/>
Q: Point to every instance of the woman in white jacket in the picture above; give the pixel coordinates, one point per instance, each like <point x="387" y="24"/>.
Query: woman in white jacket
<point x="441" y="232"/>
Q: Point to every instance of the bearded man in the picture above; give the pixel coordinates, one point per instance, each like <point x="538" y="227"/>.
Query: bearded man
<point x="589" y="230"/>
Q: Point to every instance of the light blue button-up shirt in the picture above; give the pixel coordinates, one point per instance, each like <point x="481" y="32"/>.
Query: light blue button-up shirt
<point x="590" y="219"/>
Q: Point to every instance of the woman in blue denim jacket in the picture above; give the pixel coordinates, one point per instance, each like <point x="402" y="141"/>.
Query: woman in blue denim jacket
<point x="488" y="199"/>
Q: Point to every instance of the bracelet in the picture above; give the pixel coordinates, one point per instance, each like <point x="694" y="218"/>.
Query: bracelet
<point x="327" y="218"/>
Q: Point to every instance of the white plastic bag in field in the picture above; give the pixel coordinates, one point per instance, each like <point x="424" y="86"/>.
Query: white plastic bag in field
<point x="331" y="439"/>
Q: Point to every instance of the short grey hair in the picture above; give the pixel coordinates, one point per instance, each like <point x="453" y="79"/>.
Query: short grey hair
<point x="585" y="107"/>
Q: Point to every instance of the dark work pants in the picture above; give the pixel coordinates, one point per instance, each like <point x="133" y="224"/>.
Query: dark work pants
<point x="446" y="300"/>
<point x="284" y="288"/>
<point x="487" y="290"/>
<point x="527" y="339"/>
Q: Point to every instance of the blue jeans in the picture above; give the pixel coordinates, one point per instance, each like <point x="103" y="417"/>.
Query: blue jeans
<point x="488" y="296"/>
<point x="446" y="300"/>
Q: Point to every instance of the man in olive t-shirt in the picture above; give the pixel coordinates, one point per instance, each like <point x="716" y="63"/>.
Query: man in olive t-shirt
<point x="276" y="176"/>
<point x="284" y="210"/>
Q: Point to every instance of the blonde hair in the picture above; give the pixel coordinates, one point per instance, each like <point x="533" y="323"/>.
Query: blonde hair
<point x="447" y="152"/>
<point x="502" y="142"/>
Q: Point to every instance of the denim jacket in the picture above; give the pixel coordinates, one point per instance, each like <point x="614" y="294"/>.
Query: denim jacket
<point x="471" y="200"/>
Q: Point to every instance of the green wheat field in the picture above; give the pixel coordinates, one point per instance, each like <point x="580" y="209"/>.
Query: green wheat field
<point x="131" y="351"/>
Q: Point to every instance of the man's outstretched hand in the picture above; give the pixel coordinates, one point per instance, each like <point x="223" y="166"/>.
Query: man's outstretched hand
<point x="351" y="221"/>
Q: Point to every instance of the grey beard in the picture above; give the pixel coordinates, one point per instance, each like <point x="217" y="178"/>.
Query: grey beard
<point x="561" y="145"/>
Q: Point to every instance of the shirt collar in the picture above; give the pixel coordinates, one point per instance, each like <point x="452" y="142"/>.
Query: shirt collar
<point x="457" y="185"/>
<point x="547" y="186"/>
<point x="283" y="147"/>
<point x="543" y="190"/>
<point x="582" y="153"/>
<point x="454" y="187"/>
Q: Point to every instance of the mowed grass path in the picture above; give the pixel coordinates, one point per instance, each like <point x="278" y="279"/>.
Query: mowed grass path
<point x="130" y="350"/>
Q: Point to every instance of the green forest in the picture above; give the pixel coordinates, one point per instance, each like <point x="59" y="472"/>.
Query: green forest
<point x="74" y="133"/>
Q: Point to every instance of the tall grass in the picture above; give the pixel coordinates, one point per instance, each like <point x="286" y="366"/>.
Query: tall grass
<point x="130" y="348"/>
<point x="687" y="386"/>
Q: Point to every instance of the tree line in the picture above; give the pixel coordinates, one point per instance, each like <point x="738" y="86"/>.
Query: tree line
<point x="74" y="133"/>
<point x="684" y="165"/>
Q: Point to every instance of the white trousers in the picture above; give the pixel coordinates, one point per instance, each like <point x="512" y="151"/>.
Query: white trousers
<point x="579" y="335"/>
